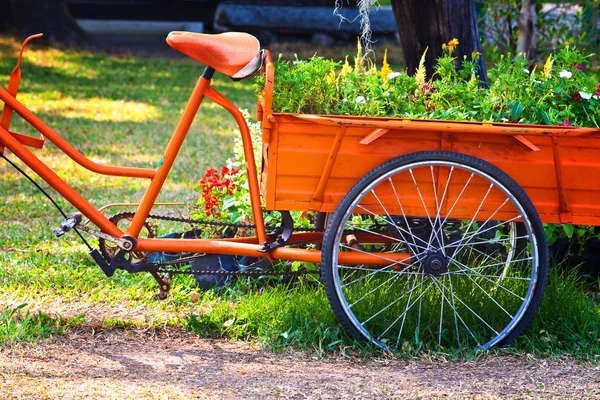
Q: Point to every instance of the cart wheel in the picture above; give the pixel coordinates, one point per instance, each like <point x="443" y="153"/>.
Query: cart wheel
<point x="435" y="248"/>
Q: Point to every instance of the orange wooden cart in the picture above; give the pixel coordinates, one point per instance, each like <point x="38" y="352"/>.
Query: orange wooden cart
<point x="431" y="230"/>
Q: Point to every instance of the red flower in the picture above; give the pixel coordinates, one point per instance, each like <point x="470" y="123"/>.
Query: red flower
<point x="580" y="67"/>
<point x="214" y="187"/>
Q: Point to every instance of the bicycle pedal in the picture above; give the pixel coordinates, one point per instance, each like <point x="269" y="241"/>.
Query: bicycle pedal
<point x="68" y="224"/>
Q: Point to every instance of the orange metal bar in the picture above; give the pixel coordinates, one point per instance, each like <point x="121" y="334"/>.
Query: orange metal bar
<point x="69" y="150"/>
<point x="446" y="126"/>
<point x="173" y="147"/>
<point x="57" y="183"/>
<point x="243" y="249"/>
<point x="346" y="258"/>
<point x="13" y="88"/>
<point x="257" y="215"/>
<point x="28" y="140"/>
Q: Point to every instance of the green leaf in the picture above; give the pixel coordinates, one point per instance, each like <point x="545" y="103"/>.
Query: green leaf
<point x="228" y="202"/>
<point x="516" y="110"/>
<point x="568" y="229"/>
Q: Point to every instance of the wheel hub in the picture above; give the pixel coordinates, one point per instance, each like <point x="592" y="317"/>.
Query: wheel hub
<point x="435" y="264"/>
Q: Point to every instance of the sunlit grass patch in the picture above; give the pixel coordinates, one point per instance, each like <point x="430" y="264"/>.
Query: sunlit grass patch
<point x="97" y="109"/>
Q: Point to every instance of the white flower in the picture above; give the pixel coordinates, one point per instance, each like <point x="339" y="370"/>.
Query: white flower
<point x="585" y="95"/>
<point x="596" y="97"/>
<point x="360" y="100"/>
<point x="344" y="100"/>
<point x="565" y="74"/>
<point x="526" y="71"/>
<point x="387" y="94"/>
<point x="392" y="75"/>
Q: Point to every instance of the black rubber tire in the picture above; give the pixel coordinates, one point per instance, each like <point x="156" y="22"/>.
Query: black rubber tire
<point x="535" y="289"/>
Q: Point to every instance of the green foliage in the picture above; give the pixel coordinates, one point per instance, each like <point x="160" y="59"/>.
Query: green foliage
<point x="562" y="93"/>
<point x="576" y="22"/>
<point x="580" y="233"/>
<point x="19" y="326"/>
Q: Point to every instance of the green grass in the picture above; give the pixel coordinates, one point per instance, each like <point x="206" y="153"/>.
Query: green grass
<point x="121" y="110"/>
<point x="16" y="326"/>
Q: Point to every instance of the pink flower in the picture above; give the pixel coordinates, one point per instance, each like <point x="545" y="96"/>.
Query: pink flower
<point x="580" y="67"/>
<point x="566" y="123"/>
<point x="427" y="89"/>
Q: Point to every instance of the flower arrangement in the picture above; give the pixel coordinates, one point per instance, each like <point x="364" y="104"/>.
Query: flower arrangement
<point x="215" y="188"/>
<point x="562" y="92"/>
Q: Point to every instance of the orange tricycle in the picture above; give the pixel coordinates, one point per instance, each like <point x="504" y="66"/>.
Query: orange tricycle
<point x="427" y="230"/>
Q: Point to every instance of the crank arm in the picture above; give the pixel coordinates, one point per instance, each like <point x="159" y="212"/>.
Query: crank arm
<point x="124" y="244"/>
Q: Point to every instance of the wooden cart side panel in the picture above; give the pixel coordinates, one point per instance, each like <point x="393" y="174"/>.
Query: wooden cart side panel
<point x="296" y="165"/>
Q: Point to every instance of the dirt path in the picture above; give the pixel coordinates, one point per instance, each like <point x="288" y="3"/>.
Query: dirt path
<point x="121" y="365"/>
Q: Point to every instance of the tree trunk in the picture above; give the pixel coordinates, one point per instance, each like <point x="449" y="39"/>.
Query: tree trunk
<point x="431" y="23"/>
<point x="50" y="17"/>
<point x="527" y="29"/>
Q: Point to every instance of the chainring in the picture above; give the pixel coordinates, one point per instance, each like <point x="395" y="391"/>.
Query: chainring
<point x="123" y="220"/>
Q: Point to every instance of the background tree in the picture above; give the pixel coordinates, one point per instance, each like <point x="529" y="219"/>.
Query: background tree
<point x="526" y="42"/>
<point x="431" y="23"/>
<point x="51" y="17"/>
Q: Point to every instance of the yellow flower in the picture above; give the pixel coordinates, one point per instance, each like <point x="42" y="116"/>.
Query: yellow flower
<point x="421" y="72"/>
<point x="346" y="68"/>
<point x="548" y="67"/>
<point x="358" y="60"/>
<point x="385" y="69"/>
<point x="451" y="46"/>
<point x="330" y="78"/>
<point x="372" y="67"/>
<point x="475" y="55"/>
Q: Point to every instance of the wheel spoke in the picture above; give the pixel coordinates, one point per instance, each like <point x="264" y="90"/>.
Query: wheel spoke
<point x="473" y="312"/>
<point x="391" y="220"/>
<point x="497" y="284"/>
<point x="476" y="212"/>
<point x="491" y="241"/>
<point x="396" y="301"/>
<point x="441" y="202"/>
<point x="424" y="206"/>
<point x="377" y="255"/>
<point x="441" y="316"/>
<point x="402" y="211"/>
<point x="375" y="215"/>
<point x="355" y="227"/>
<point x="457" y="315"/>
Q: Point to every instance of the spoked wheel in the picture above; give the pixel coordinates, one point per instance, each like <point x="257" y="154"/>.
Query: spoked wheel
<point x="436" y="248"/>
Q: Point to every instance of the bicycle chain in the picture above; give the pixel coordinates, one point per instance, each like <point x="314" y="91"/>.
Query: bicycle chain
<point x="163" y="267"/>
